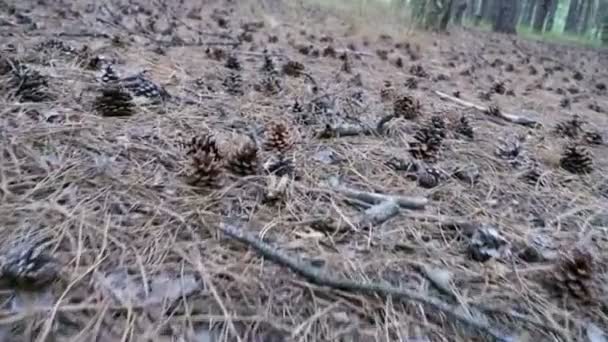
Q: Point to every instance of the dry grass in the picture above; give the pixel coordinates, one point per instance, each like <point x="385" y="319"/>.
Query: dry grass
<point x="108" y="195"/>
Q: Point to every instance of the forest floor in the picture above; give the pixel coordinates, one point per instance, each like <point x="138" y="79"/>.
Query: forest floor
<point x="484" y="236"/>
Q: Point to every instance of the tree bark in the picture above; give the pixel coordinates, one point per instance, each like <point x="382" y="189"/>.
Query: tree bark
<point x="506" y="17"/>
<point x="573" y="14"/>
<point x="526" y="13"/>
<point x="447" y="14"/>
<point x="584" y="23"/>
<point x="489" y="12"/>
<point x="551" y="15"/>
<point x="540" y="14"/>
<point x="460" y="6"/>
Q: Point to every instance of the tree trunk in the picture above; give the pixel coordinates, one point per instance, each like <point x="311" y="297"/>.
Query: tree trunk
<point x="479" y="6"/>
<point x="604" y="31"/>
<point x="584" y="23"/>
<point x="447" y="14"/>
<point x="506" y="17"/>
<point x="540" y="14"/>
<point x="551" y="15"/>
<point x="526" y="13"/>
<point x="460" y="7"/>
<point x="489" y="10"/>
<point x="573" y="13"/>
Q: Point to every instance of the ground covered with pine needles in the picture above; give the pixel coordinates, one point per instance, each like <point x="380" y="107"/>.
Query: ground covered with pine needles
<point x="262" y="171"/>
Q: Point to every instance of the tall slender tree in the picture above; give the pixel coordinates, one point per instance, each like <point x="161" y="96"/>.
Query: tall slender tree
<point x="527" y="9"/>
<point x="551" y="15"/>
<point x="506" y="16"/>
<point x="540" y="14"/>
<point x="574" y="10"/>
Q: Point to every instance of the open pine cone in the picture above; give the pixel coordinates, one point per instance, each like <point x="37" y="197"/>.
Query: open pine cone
<point x="244" y="161"/>
<point x="570" y="128"/>
<point x="576" y="159"/>
<point x="293" y="68"/>
<point x="25" y="266"/>
<point x="278" y="137"/>
<point x="573" y="274"/>
<point x="426" y="144"/>
<point x="205" y="162"/>
<point x="114" y="101"/>
<point x="406" y="107"/>
<point x="463" y="127"/>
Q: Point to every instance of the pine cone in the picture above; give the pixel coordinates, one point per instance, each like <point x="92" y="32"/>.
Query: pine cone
<point x="346" y="67"/>
<point x="437" y="124"/>
<point x="244" y="161"/>
<point x="418" y="71"/>
<point x="108" y="74"/>
<point x="406" y="107"/>
<point x="329" y="51"/>
<point x="233" y="63"/>
<point x="278" y="138"/>
<point x="138" y="85"/>
<point x="293" y="68"/>
<point x="234" y="84"/>
<point x="464" y="128"/>
<point x="269" y="85"/>
<point x="55" y="45"/>
<point x="499" y="88"/>
<point x="533" y="176"/>
<point x="26" y="266"/>
<point x="280" y="166"/>
<point x="388" y="92"/>
<point x="114" y="101"/>
<point x="205" y="162"/>
<point x="411" y="83"/>
<point x="493" y="110"/>
<point x="26" y="84"/>
<point x="268" y="64"/>
<point x="593" y="138"/>
<point x="428" y="178"/>
<point x="426" y="145"/>
<point x="570" y="128"/>
<point x="573" y="274"/>
<point x="576" y="159"/>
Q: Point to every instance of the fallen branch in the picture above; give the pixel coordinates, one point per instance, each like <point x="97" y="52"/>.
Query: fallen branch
<point x="379" y="213"/>
<point x="383" y="121"/>
<point x="520" y="120"/>
<point x="375" y="198"/>
<point x="317" y="277"/>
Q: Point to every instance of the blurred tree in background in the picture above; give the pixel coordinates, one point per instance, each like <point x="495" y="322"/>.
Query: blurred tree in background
<point x="587" y="19"/>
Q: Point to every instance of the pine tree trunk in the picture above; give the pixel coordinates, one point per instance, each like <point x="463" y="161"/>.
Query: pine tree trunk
<point x="573" y="13"/>
<point x="604" y="31"/>
<point x="459" y="9"/>
<point x="506" y="16"/>
<point x="551" y="15"/>
<point x="584" y="23"/>
<point x="526" y="13"/>
<point x="540" y="14"/>
<point x="446" y="15"/>
<point x="489" y="10"/>
<point x="479" y="9"/>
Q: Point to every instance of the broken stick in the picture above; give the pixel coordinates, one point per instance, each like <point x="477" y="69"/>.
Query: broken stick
<point x="375" y="198"/>
<point x="520" y="120"/>
<point x="316" y="276"/>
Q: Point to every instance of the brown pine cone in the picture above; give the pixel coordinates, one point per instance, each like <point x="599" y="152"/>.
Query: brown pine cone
<point x="573" y="274"/>
<point x="244" y="161"/>
<point x="278" y="137"/>
<point x="406" y="107"/>
<point x="205" y="162"/>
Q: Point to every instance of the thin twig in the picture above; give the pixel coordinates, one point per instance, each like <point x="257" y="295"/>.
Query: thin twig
<point x="316" y="277"/>
<point x="520" y="120"/>
<point x="375" y="198"/>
